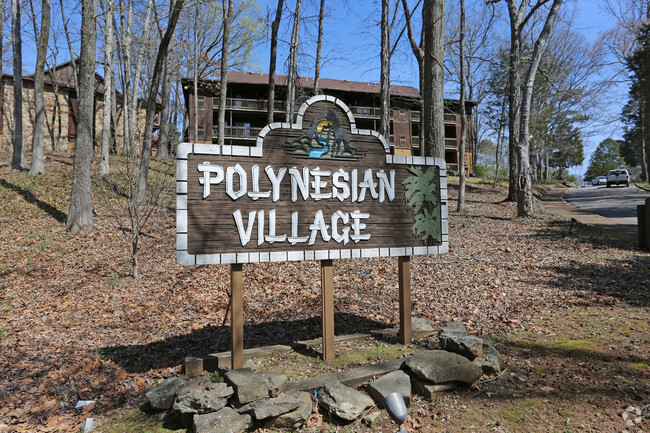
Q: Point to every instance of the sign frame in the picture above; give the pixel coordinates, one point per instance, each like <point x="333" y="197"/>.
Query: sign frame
<point x="186" y="150"/>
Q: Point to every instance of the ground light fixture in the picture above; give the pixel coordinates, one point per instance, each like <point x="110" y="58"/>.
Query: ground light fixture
<point x="396" y="408"/>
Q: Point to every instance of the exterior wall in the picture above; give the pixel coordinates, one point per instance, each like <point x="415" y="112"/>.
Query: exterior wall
<point x="62" y="140"/>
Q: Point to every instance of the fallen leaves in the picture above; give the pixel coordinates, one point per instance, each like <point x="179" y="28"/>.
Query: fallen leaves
<point x="74" y="325"/>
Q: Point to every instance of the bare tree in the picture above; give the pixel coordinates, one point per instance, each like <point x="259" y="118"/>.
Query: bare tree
<point x="80" y="216"/>
<point x="274" y="53"/>
<point x="17" y="160"/>
<point x="109" y="84"/>
<point x="433" y="17"/>
<point x="384" y="83"/>
<point x="463" y="114"/>
<point x="418" y="52"/>
<point x="163" y="132"/>
<point x="223" y="91"/>
<point x="163" y="48"/>
<point x="292" y="76"/>
<point x="196" y="73"/>
<point x="73" y="56"/>
<point x="520" y="100"/>
<point x="37" y="166"/>
<point x="319" y="46"/>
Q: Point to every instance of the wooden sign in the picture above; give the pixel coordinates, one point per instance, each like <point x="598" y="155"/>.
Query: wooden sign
<point x="319" y="189"/>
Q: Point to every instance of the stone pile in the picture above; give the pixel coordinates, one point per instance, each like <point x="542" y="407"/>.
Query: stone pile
<point x="248" y="399"/>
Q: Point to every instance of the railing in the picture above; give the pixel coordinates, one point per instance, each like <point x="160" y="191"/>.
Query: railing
<point x="244" y="132"/>
<point x="451" y="143"/>
<point x="415" y="140"/>
<point x="251" y="104"/>
<point x="365" y="111"/>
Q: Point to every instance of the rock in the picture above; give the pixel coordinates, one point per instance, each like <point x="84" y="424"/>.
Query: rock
<point x="397" y="381"/>
<point x="455" y="338"/>
<point x="490" y="361"/>
<point x="274" y="382"/>
<point x="439" y="366"/>
<point x="296" y="418"/>
<point x="250" y="386"/>
<point x="226" y="420"/>
<point x="428" y="390"/>
<point x="162" y="396"/>
<point x="420" y="325"/>
<point x="270" y="407"/>
<point x="371" y="418"/>
<point x="202" y="396"/>
<point x="345" y="402"/>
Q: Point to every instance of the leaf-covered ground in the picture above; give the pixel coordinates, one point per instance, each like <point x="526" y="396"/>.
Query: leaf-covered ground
<point x="568" y="309"/>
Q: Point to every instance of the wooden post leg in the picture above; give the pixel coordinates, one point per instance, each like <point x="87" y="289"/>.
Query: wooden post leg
<point x="327" y="303"/>
<point x="405" y="332"/>
<point x="237" y="324"/>
<point x="641" y="225"/>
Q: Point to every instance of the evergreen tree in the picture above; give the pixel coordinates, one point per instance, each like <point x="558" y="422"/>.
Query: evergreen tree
<point x="636" y="112"/>
<point x="606" y="157"/>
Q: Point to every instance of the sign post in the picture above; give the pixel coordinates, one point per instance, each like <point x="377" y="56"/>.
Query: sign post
<point x="237" y="324"/>
<point x="327" y="308"/>
<point x="404" y="276"/>
<point x="318" y="189"/>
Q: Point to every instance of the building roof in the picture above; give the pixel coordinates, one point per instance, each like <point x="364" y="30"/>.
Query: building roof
<point x="324" y="84"/>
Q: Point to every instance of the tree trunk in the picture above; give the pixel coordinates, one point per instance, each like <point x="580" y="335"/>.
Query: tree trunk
<point x="292" y="77"/>
<point x="418" y="51"/>
<point x="80" y="216"/>
<point x="196" y="74"/>
<point x="163" y="132"/>
<point x="107" y="132"/>
<point x="319" y="46"/>
<point x="497" y="156"/>
<point x="225" y="49"/>
<point x="274" y="53"/>
<point x="645" y="158"/>
<point x="514" y="98"/>
<point x="463" y="115"/>
<point x="75" y="73"/>
<point x="38" y="167"/>
<point x="525" y="187"/>
<point x="139" y="62"/>
<point x="384" y="93"/>
<point x="433" y="16"/>
<point x="17" y="160"/>
<point x="126" y="75"/>
<point x="2" y="81"/>
<point x="151" y="101"/>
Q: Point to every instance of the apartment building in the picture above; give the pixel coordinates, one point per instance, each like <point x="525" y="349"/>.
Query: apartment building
<point x="247" y="106"/>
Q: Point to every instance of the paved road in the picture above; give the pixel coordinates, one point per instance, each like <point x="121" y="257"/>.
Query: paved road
<point x="618" y="202"/>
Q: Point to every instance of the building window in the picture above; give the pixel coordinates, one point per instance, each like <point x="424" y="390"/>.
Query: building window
<point x="201" y="131"/>
<point x="201" y="101"/>
<point x="402" y="115"/>
<point x="402" y="141"/>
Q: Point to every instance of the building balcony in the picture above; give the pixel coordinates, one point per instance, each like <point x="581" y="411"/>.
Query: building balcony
<point x="365" y="112"/>
<point x="451" y="143"/>
<point x="238" y="132"/>
<point x="241" y="104"/>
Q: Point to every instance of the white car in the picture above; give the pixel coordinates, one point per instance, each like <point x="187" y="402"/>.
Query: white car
<point x="599" y="180"/>
<point x="619" y="176"/>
